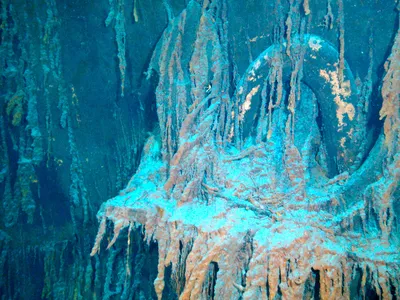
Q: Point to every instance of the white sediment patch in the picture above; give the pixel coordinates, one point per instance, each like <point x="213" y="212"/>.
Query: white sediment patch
<point x="341" y="93"/>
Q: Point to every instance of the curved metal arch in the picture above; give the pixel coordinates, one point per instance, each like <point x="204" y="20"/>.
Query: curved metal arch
<point x="337" y="101"/>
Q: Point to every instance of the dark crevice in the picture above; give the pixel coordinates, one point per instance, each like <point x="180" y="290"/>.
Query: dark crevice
<point x="392" y="290"/>
<point x="211" y="280"/>
<point x="169" y="292"/>
<point x="317" y="285"/>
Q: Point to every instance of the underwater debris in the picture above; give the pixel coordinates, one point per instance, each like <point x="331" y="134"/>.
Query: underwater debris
<point x="193" y="193"/>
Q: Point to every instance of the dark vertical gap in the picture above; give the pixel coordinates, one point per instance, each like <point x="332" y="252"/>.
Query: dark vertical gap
<point x="212" y="279"/>
<point x="279" y="292"/>
<point x="147" y="98"/>
<point x="148" y="270"/>
<point x="317" y="285"/>
<point x="387" y="216"/>
<point x="180" y="246"/>
<point x="370" y="292"/>
<point x="169" y="291"/>
<point x="392" y="290"/>
<point x="309" y="284"/>
<point x="357" y="221"/>
<point x="288" y="268"/>
<point x="324" y="139"/>
<point x="355" y="284"/>
<point x="343" y="283"/>
<point x="178" y="279"/>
